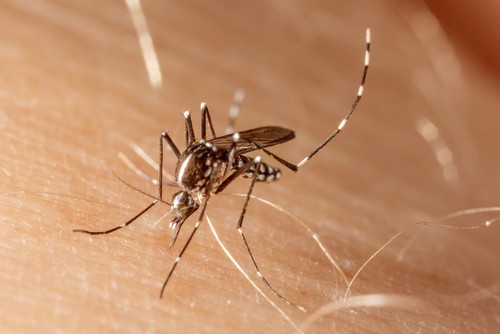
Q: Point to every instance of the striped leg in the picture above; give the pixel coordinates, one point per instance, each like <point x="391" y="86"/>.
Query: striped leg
<point x="205" y="116"/>
<point x="341" y="125"/>
<point x="179" y="256"/>
<point x="119" y="227"/>
<point x="165" y="137"/>
<point x="257" y="162"/>
<point x="195" y="228"/>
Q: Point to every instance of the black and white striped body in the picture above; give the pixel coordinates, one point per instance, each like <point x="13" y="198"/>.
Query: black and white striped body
<point x="266" y="173"/>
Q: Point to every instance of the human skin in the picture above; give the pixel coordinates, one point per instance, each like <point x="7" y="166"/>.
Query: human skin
<point x="75" y="93"/>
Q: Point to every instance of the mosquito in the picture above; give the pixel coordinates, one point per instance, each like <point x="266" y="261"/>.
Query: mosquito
<point x="208" y="165"/>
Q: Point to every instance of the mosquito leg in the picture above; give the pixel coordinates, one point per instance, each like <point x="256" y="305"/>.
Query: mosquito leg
<point x="256" y="162"/>
<point x="282" y="161"/>
<point x="238" y="97"/>
<point x="351" y="110"/>
<point x="150" y="161"/>
<point x="189" y="129"/>
<point x="296" y="167"/>
<point x="205" y="115"/>
<point x="230" y="160"/>
<point x="170" y="142"/>
<point x="179" y="256"/>
<point x="195" y="228"/>
<point x="240" y="171"/>
<point x="130" y="221"/>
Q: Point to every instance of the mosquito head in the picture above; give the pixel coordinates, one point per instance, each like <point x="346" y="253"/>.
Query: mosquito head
<point x="183" y="204"/>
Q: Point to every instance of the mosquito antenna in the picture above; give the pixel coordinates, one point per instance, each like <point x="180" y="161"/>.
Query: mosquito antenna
<point x="139" y="190"/>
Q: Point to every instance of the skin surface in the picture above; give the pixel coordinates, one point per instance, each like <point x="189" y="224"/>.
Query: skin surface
<point x="75" y="93"/>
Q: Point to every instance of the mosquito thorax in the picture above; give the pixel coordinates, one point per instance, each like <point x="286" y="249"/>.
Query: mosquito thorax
<point x="196" y="165"/>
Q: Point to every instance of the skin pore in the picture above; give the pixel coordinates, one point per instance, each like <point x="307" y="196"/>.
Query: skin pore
<point x="76" y="97"/>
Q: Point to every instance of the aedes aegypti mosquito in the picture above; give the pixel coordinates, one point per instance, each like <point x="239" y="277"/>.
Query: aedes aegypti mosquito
<point x="207" y="166"/>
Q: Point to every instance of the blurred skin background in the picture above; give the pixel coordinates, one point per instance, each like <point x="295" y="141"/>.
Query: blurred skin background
<point x="472" y="28"/>
<point x="76" y="97"/>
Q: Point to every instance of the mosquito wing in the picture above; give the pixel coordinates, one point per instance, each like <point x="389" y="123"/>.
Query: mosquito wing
<point x="265" y="136"/>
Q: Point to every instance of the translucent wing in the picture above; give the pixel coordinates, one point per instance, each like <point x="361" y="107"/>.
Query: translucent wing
<point x="265" y="136"/>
